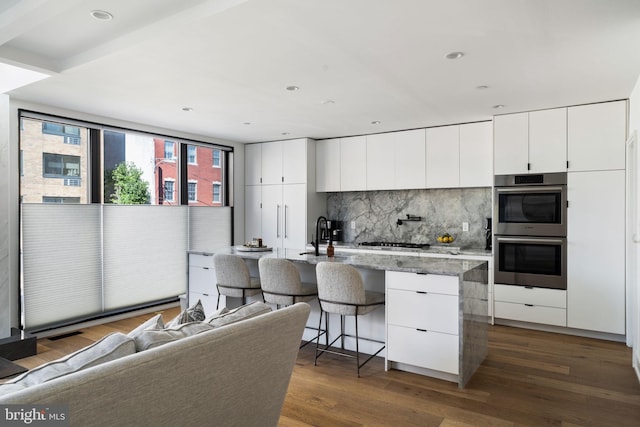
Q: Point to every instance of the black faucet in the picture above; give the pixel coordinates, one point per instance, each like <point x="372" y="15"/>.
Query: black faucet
<point x="317" y="245"/>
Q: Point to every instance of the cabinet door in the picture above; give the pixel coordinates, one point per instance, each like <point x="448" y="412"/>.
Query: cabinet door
<point x="272" y="162"/>
<point x="253" y="211"/>
<point x="381" y="161"/>
<point x="294" y="161"/>
<point x="353" y="163"/>
<point x="596" y="251"/>
<point x="272" y="215"/>
<point x="328" y="165"/>
<point x="548" y="140"/>
<point x="252" y="164"/>
<point x="294" y="215"/>
<point x="476" y="155"/>
<point x="510" y="143"/>
<point x="410" y="167"/>
<point x="443" y="157"/>
<point x="597" y="136"/>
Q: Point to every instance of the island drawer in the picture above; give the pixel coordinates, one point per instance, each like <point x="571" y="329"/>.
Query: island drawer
<point x="422" y="282"/>
<point x="529" y="295"/>
<point x="531" y="313"/>
<point x="430" y="311"/>
<point x="426" y="349"/>
<point x="200" y="260"/>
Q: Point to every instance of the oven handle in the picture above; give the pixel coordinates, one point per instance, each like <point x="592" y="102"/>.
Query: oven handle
<point x="529" y="240"/>
<point x="545" y="189"/>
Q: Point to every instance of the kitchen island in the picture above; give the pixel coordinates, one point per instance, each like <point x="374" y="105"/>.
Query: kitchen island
<point x="435" y="317"/>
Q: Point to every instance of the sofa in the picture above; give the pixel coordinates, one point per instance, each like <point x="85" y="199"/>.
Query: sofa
<point x="231" y="375"/>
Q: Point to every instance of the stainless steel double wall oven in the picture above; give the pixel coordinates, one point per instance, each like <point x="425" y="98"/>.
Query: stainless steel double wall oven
<point x="530" y="230"/>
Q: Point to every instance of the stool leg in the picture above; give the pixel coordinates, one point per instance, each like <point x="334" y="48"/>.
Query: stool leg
<point x="218" y="303"/>
<point x="357" y="346"/>
<point x="342" y="331"/>
<point x="315" y="361"/>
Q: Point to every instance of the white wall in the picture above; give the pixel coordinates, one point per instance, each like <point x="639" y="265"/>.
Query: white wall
<point x="633" y="288"/>
<point x="9" y="191"/>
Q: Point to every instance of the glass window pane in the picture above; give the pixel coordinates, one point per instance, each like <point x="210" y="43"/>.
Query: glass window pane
<point x="203" y="175"/>
<point x="169" y="152"/>
<point x="54" y="159"/>
<point x="191" y="154"/>
<point x="216" y="161"/>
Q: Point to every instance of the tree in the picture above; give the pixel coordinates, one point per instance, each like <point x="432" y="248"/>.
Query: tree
<point x="128" y="186"/>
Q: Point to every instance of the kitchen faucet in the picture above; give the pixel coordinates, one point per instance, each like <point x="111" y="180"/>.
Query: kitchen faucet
<point x="317" y="245"/>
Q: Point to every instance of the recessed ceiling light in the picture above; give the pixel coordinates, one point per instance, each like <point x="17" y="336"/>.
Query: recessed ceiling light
<point x="102" y="15"/>
<point x="285" y="133"/>
<point x="376" y="122"/>
<point x="482" y="87"/>
<point x="292" y="88"/>
<point x="187" y="109"/>
<point x="247" y="123"/>
<point x="499" y="106"/>
<point x="454" y="55"/>
<point x="328" y="101"/>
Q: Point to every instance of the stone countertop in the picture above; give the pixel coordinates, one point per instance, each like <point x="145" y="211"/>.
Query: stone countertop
<point x="383" y="261"/>
<point x="439" y="249"/>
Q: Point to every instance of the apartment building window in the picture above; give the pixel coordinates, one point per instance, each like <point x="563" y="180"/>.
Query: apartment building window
<point x="169" y="191"/>
<point x="216" y="161"/>
<point x="191" y="154"/>
<point x="60" y="165"/>
<point x="217" y="192"/>
<point x="60" y="129"/>
<point x="60" y="200"/>
<point x="169" y="150"/>
<point x="192" y="191"/>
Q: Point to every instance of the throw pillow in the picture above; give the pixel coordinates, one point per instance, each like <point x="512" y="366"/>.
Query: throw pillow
<point x="111" y="347"/>
<point x="195" y="313"/>
<point x="243" y="312"/>
<point x="154" y="323"/>
<point x="151" y="338"/>
<point x="215" y="314"/>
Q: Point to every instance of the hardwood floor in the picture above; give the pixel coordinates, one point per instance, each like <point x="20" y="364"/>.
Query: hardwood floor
<point x="530" y="378"/>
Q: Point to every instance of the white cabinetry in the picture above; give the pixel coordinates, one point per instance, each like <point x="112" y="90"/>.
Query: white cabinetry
<point x="396" y="160"/>
<point x="381" y="167"/>
<point x="328" y="165"/>
<point x="529" y="304"/>
<point x="423" y="320"/>
<point x="597" y="136"/>
<point x="443" y="157"/>
<point x="534" y="142"/>
<point x="252" y="164"/>
<point x="353" y="163"/>
<point x="476" y="154"/>
<point x="283" y="213"/>
<point x="202" y="282"/>
<point x="596" y="251"/>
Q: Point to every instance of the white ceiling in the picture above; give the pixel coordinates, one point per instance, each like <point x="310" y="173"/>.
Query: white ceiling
<point x="377" y="60"/>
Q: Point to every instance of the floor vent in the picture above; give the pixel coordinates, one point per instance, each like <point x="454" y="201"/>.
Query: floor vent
<point x="70" y="334"/>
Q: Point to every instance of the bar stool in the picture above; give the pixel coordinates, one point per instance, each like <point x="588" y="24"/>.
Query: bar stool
<point x="281" y="285"/>
<point x="341" y="291"/>
<point x="233" y="279"/>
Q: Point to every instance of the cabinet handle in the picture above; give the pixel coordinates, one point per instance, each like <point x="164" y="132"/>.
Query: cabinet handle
<point x="422" y="274"/>
<point x="205" y="268"/>
<point x="421" y="330"/>
<point x="421" y="292"/>
<point x="528" y="287"/>
<point x="285" y="221"/>
<point x="278" y="221"/>
<point x="529" y="305"/>
<point x="206" y="295"/>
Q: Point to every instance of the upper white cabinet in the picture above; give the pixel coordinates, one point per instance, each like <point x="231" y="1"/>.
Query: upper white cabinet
<point x="395" y="160"/>
<point x="476" y="154"/>
<point x="328" y="165"/>
<point x="597" y="136"/>
<point x="281" y="162"/>
<point x="534" y="142"/>
<point x="410" y="151"/>
<point x="353" y="163"/>
<point x="443" y="157"/>
<point x="252" y="164"/>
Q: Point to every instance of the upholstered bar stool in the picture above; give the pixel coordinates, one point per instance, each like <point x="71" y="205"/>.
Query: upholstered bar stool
<point x="233" y="279"/>
<point x="281" y="285"/>
<point x="341" y="291"/>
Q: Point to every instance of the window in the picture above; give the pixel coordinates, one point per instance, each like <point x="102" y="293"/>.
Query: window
<point x="60" y="200"/>
<point x="191" y="155"/>
<point x="60" y="129"/>
<point x="192" y="191"/>
<point x="217" y="192"/>
<point x="169" y="153"/>
<point x="216" y="158"/>
<point x="60" y="165"/>
<point x="168" y="188"/>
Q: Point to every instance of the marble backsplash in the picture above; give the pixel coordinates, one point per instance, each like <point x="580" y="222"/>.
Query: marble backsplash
<point x="442" y="210"/>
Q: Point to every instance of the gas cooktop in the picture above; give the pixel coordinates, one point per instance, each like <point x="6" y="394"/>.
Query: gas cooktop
<point x="397" y="244"/>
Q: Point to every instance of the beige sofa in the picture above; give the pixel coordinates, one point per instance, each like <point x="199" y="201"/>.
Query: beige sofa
<point x="234" y="375"/>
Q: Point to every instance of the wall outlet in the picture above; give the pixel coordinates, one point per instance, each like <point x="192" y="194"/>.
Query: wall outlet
<point x="465" y="226"/>
<point x="353" y="225"/>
